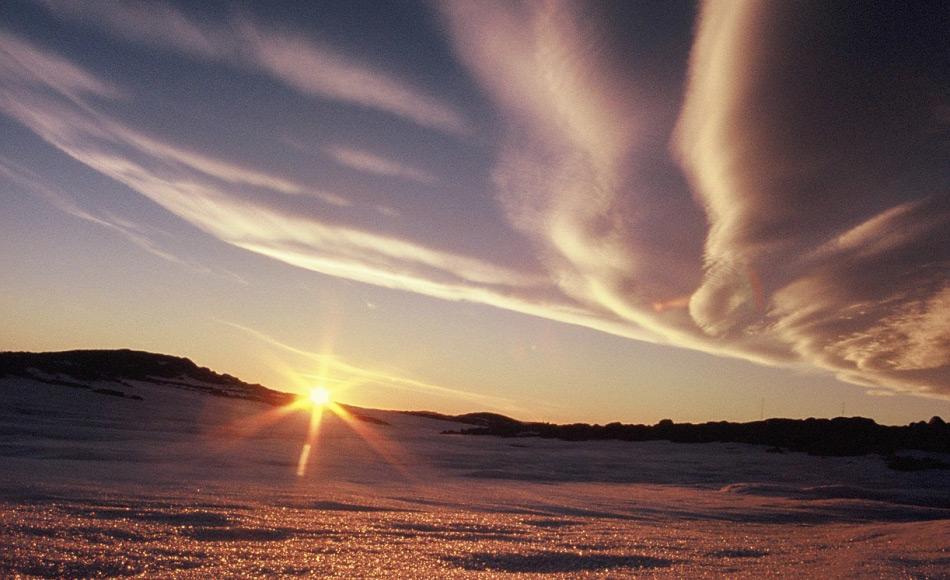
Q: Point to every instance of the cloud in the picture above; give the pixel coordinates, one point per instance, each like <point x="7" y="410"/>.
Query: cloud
<point x="142" y="236"/>
<point x="322" y="71"/>
<point x="813" y="252"/>
<point x="301" y="63"/>
<point x="22" y="64"/>
<point x="568" y="169"/>
<point x="221" y="170"/>
<point x="152" y="23"/>
<point x="810" y="229"/>
<point x="814" y="138"/>
<point x="201" y="189"/>
<point x="371" y="163"/>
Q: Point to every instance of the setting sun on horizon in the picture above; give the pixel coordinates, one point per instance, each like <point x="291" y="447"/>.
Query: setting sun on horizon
<point x="320" y="396"/>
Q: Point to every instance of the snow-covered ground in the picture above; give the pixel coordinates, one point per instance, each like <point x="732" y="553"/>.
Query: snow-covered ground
<point x="181" y="483"/>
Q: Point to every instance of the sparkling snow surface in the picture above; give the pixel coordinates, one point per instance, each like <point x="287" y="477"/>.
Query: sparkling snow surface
<point x="181" y="484"/>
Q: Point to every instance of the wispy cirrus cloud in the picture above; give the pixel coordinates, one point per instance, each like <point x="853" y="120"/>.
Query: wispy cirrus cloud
<point x="814" y="254"/>
<point x="371" y="163"/>
<point x="22" y="64"/>
<point x="566" y="173"/>
<point x="140" y="235"/>
<point x="325" y="72"/>
<point x="199" y="189"/>
<point x="152" y="23"/>
<point x="309" y="67"/>
<point x="784" y="247"/>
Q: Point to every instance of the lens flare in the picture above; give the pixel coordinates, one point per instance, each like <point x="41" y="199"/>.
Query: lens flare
<point x="319" y="396"/>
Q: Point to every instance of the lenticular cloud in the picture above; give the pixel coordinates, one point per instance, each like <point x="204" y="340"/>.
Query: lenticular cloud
<point x="815" y="136"/>
<point x="814" y="140"/>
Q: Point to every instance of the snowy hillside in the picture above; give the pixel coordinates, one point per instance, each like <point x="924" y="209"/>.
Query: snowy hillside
<point x="134" y="471"/>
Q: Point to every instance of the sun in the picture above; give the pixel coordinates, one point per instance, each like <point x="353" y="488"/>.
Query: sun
<point x="319" y="396"/>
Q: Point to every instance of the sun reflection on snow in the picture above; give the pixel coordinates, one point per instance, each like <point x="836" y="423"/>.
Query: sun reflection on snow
<point x="313" y="430"/>
<point x="319" y="399"/>
<point x="317" y="393"/>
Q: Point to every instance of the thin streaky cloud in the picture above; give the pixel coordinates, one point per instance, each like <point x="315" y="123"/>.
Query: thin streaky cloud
<point x="154" y="24"/>
<point x="223" y="170"/>
<point x="298" y="62"/>
<point x="181" y="184"/>
<point x="371" y="163"/>
<point x="323" y="71"/>
<point x="339" y="251"/>
<point x="337" y="364"/>
<point x="189" y="188"/>
<point x="23" y="62"/>
<point x="23" y="97"/>
<point x="136" y="234"/>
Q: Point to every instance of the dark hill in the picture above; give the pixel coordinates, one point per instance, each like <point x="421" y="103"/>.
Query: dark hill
<point x="77" y="368"/>
<point x="83" y="369"/>
<point x="840" y="436"/>
<point x="494" y="421"/>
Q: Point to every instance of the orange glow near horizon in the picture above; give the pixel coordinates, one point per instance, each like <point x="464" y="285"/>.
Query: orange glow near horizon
<point x="315" y="395"/>
<point x="319" y="396"/>
<point x="384" y="448"/>
<point x="313" y="431"/>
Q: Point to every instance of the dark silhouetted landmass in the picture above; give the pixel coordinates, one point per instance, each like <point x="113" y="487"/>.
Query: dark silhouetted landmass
<point x="492" y="421"/>
<point x="841" y="436"/>
<point x="87" y="369"/>
<point x="357" y="414"/>
<point x="81" y="369"/>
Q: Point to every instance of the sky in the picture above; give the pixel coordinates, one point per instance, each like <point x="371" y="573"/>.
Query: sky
<point x="560" y="211"/>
